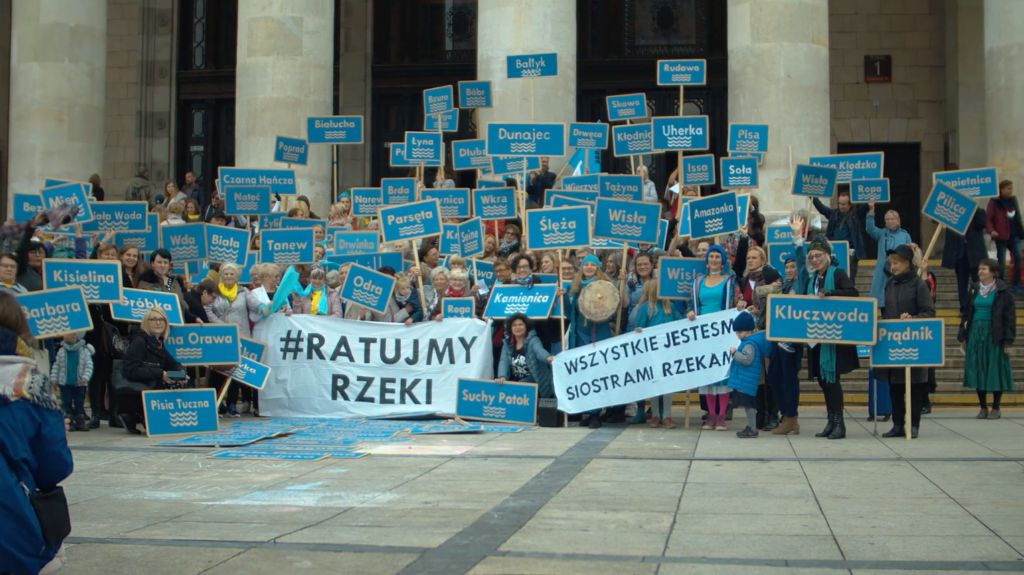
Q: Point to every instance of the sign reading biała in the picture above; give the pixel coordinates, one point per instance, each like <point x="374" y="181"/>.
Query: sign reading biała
<point x="811" y="319"/>
<point x="367" y="288"/>
<point x="470" y="155"/>
<point x="55" y="312"/>
<point x="626" y="107"/>
<point x="494" y="203"/>
<point x="291" y="151"/>
<point x="532" y="65"/>
<point x="815" y="181"/>
<point x="458" y="307"/>
<point x="286" y="246"/>
<point x="475" y="94"/>
<point x="682" y="72"/>
<point x="486" y="400"/>
<point x="175" y="411"/>
<point x="910" y="343"/>
<point x="976" y="183"/>
<point x="676" y="276"/>
<point x="186" y="242"/>
<point x="558" y="228"/>
<point x="748" y="138"/>
<point x="699" y="170"/>
<point x="213" y="344"/>
<point x="864" y="191"/>
<point x="100" y="280"/>
<point x="950" y="208"/>
<point x="686" y="133"/>
<point x="136" y="302"/>
<point x="619" y="187"/>
<point x="632" y="140"/>
<point x="534" y="302"/>
<point x="335" y="130"/>
<point x="410" y="221"/>
<point x="226" y="245"/>
<point x="525" y="139"/>
<point x="713" y="215"/>
<point x="588" y="136"/>
<point x="865" y="166"/>
<point x="627" y="221"/>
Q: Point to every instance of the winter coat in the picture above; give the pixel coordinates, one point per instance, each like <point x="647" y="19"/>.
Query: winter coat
<point x="906" y="293"/>
<point x="233" y="312"/>
<point x="194" y="303"/>
<point x="645" y="319"/>
<point x="999" y="220"/>
<point x="846" y="355"/>
<point x="650" y="192"/>
<point x="303" y="305"/>
<point x="887" y="240"/>
<point x="746" y="378"/>
<point x="146" y="360"/>
<point x="149" y="281"/>
<point x="1004" y="315"/>
<point x="853" y="221"/>
<point x="140" y="189"/>
<point x="582" y="331"/>
<point x="536" y="359"/>
<point x="396" y="312"/>
<point x="972" y="243"/>
<point x="58" y="371"/>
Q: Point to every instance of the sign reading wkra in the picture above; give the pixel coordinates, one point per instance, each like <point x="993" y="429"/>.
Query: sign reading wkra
<point x="494" y="203"/>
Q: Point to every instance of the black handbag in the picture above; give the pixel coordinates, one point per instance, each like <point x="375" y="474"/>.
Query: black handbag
<point x="122" y="385"/>
<point x="50" y="507"/>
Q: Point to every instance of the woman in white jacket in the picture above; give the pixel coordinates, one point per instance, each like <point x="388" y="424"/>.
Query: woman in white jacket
<point x="231" y="305"/>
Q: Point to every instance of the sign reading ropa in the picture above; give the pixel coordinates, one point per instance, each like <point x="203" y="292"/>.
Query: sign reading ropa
<point x="910" y="343"/>
<point x="811" y="319"/>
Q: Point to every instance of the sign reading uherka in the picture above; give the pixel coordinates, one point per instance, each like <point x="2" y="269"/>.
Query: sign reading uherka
<point x="811" y="319"/>
<point x="910" y="343"/>
<point x="215" y="344"/>
<point x="100" y="280"/>
<point x="136" y="302"/>
<point x="534" y="302"/>
<point x="170" y="412"/>
<point x="51" y="313"/>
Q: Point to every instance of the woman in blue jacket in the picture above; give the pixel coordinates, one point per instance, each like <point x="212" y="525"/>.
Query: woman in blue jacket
<point x="888" y="238"/>
<point x="33" y="443"/>
<point x="651" y="312"/>
<point x="524" y="359"/>
<point x="582" y="331"/>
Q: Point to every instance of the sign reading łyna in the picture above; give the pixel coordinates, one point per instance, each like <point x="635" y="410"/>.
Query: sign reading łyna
<point x="212" y="344"/>
<point x="457" y="307"/>
<point x="950" y="208"/>
<point x="226" y="245"/>
<point x="713" y="215"/>
<point x="532" y="65"/>
<point x="54" y="312"/>
<point x="136" y="302"/>
<point x="676" y="276"/>
<point x="367" y="288"/>
<point x="627" y="221"/>
<point x="424" y="146"/>
<point x="410" y="221"/>
<point x="174" y="411"/>
<point x="865" y="166"/>
<point x="910" y="343"/>
<point x="811" y="319"/>
<point x="488" y="401"/>
<point x="558" y="228"/>
<point x="100" y="280"/>
<point x="186" y="242"/>
<point x="286" y="246"/>
<point x="534" y="302"/>
<point x="525" y="139"/>
<point x="976" y="183"/>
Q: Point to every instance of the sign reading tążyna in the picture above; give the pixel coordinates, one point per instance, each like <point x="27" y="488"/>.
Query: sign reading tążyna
<point x="54" y="312"/>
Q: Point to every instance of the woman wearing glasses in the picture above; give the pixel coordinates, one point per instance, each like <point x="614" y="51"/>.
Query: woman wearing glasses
<point x="146" y="362"/>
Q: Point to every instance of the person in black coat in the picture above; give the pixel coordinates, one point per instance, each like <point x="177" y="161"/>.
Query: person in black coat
<point x="907" y="296"/>
<point x="146" y="362"/>
<point x="962" y="254"/>
<point x="200" y="296"/>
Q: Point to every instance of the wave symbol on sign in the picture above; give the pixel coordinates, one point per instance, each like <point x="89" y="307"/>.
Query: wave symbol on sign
<point x="91" y="292"/>
<point x="223" y="254"/>
<point x="557" y="238"/>
<point x="814" y="189"/>
<point x="681" y="77"/>
<point x="438" y="107"/>
<point x="476" y="101"/>
<point x="185" y="252"/>
<point x="138" y="313"/>
<point x="947" y="214"/>
<point x="247" y="206"/>
<point x="741" y="180"/>
<point x="824" y="331"/>
<point x="586" y="143"/>
<point x="410" y="230"/>
<point x="714" y="225"/>
<point x="680" y="141"/>
<point x="479" y="161"/>
<point x="290" y="156"/>
<point x="365" y="297"/>
<point x="424" y="154"/>
<point x="523" y="147"/>
<point x="845" y="174"/>
<point x="188" y="353"/>
<point x="184" y="418"/>
<point x="516" y="308"/>
<point x="494" y="210"/>
<point x="53" y="325"/>
<point x="450" y="211"/>
<point x="622" y="196"/>
<point x="287" y="257"/>
<point x="490" y="411"/>
<point x="531" y="73"/>
<point x="638" y="145"/>
<point x="335" y="134"/>
<point x="626" y="230"/>
<point x="898" y="354"/>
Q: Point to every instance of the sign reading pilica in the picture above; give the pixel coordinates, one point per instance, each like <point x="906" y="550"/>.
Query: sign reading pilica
<point x="976" y="183"/>
<point x="950" y="208"/>
<point x="864" y="166"/>
<point x="291" y="151"/>
<point x="588" y="136"/>
<point x="811" y="319"/>
<point x="476" y="94"/>
<point x="910" y="343"/>
<point x="682" y="72"/>
<point x="532" y="65"/>
<point x="680" y="133"/>
<point x="749" y="138"/>
<point x="335" y="130"/>
<point x="526" y="139"/>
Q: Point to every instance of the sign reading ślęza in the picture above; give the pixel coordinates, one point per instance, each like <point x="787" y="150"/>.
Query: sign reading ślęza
<point x="811" y="319"/>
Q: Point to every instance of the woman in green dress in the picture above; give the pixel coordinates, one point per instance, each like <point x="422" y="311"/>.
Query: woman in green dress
<point x="988" y="327"/>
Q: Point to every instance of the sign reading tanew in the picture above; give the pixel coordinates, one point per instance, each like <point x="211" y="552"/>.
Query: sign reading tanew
<point x="811" y="319"/>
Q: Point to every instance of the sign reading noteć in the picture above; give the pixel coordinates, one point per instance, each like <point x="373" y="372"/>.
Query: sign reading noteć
<point x="54" y="312"/>
<point x="950" y="208"/>
<point x="910" y="343"/>
<point x="811" y="319"/>
<point x="532" y="66"/>
<point x="100" y="280"/>
<point x="335" y="130"/>
<point x="368" y="288"/>
<point x="506" y="403"/>
<point x="174" y="411"/>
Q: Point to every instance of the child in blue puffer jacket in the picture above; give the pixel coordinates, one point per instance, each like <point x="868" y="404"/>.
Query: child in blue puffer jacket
<point x="747" y="365"/>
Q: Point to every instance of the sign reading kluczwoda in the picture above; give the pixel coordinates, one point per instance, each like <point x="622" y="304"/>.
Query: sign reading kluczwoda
<point x="811" y="319"/>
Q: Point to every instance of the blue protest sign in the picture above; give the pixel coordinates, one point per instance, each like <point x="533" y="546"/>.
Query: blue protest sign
<point x="186" y="242"/>
<point x="175" y="411"/>
<point x="212" y="344"/>
<point x="815" y="181"/>
<point x="470" y="155"/>
<point x="488" y="401"/>
<point x="742" y="209"/>
<point x="259" y="454"/>
<point x="494" y="203"/>
<point x="246" y="200"/>
<point x="632" y="140"/>
<point x="73" y="193"/>
<point x="356" y="243"/>
<point x="683" y="228"/>
<point x="51" y="182"/>
<point x="778" y="253"/>
<point x="490" y="183"/>
<point x="54" y="312"/>
<point x="589" y="183"/>
<point x="117" y="216"/>
<point x="458" y="307"/>
<point x="454" y="202"/>
<point x="438" y="100"/>
<point x="532" y="66"/>
<point x="291" y="151"/>
<point x="280" y="181"/>
<point x="368" y="288"/>
<point x="534" y="303"/>
<point x="471" y="238"/>
<point x="525" y="139"/>
<point x="778" y="235"/>
<point x="449" y="244"/>
<point x="286" y="246"/>
<point x="621" y="187"/>
<point x="449" y="122"/>
<point x="841" y="252"/>
<point x="146" y="241"/>
<point x="365" y="201"/>
<point x="682" y="72"/>
<point x="501" y="165"/>
<point x="252" y="349"/>
<point x="739" y="173"/>
<point x="483" y="272"/>
<point x="749" y="138"/>
<point x="558" y="228"/>
<point x="398" y="191"/>
<point x="588" y="136"/>
<point x="335" y="130"/>
<point x="976" y="183"/>
<point x="950" y="208"/>
<point x="250" y="372"/>
<point x="626" y="107"/>
<point x="699" y="170"/>
<point x="713" y="215"/>
<point x="680" y="133"/>
<point x="475" y="94"/>
<point x="251" y="259"/>
<point x="910" y="343"/>
<point x="100" y="280"/>
<point x="756" y="155"/>
<point x="273" y="221"/>
<point x="410" y="221"/>
<point x="226" y="245"/>
<point x="627" y="221"/>
<point x="423" y="147"/>
<point x="136" y="302"/>
<point x="563" y="199"/>
<point x="26" y="206"/>
<point x="865" y="166"/>
<point x="375" y="261"/>
<point x="397" y="156"/>
<point x="864" y="191"/>
<point x="676" y="276"/>
<point x="811" y="319"/>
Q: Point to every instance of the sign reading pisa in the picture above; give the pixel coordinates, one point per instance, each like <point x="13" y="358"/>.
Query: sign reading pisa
<point x="214" y="344"/>
<point x="910" y="343"/>
<point x="335" y="130"/>
<point x="811" y="319"/>
<point x="534" y="302"/>
<point x="748" y="138"/>
<point x="100" y="280"/>
<point x="368" y="288"/>
<point x="950" y="208"/>
<point x="558" y="228"/>
<point x="713" y="215"/>
<point x="526" y="139"/>
<point x="136" y="302"/>
<point x="170" y="412"/>
<point x="287" y="246"/>
<point x="410" y="221"/>
<point x="54" y="312"/>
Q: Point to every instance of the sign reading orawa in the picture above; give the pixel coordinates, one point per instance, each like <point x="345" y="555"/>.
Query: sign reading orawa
<point x="671" y="357"/>
<point x="326" y="367"/>
<point x="811" y="319"/>
<point x="214" y="344"/>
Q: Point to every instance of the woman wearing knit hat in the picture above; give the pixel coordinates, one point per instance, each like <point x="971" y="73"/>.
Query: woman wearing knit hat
<point x="827" y="361"/>
<point x="581" y="330"/>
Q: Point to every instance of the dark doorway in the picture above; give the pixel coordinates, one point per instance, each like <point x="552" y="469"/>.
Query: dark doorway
<point x="903" y="168"/>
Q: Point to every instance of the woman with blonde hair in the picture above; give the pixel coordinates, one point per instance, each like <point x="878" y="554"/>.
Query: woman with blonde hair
<point x="653" y="311"/>
<point x="318" y="298"/>
<point x="147" y="363"/>
<point x="172" y="194"/>
<point x="549" y="263"/>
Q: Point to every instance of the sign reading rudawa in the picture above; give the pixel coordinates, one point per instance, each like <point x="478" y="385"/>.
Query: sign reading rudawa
<point x="910" y="343"/>
<point x="136" y="302"/>
<point x="213" y="344"/>
<point x="100" y="280"/>
<point x="52" y="313"/>
<point x="682" y="72"/>
<point x="811" y="319"/>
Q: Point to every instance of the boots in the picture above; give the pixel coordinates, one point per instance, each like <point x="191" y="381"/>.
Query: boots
<point x="789" y="425"/>
<point x="829" y="427"/>
<point x="773" y="422"/>
<point x="896" y="431"/>
<point x="94" y="422"/>
<point x="80" y="424"/>
<point x="839" y="431"/>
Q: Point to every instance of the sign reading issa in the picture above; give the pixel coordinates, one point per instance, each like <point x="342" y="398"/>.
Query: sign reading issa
<point x="526" y="139"/>
<point x="532" y="66"/>
<point x="335" y="130"/>
<point x="811" y="319"/>
<point x="910" y="343"/>
<point x="367" y="288"/>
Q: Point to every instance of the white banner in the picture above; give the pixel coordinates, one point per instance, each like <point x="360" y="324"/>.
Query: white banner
<point x="672" y="357"/>
<point x="329" y="367"/>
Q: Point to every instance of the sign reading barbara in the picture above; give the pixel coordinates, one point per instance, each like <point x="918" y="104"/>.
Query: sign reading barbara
<point x="186" y="242"/>
<point x="526" y="139"/>
<point x="626" y="107"/>
<point x="501" y="165"/>
<point x="356" y="243"/>
<point x="280" y="181"/>
<point x="213" y="344"/>
<point x="246" y="200"/>
<point x="713" y="215"/>
<point x="226" y="245"/>
<point x="100" y="280"/>
<point x="627" y="221"/>
<point x="174" y="411"/>
<point x="686" y="133"/>
<point x="136" y="302"/>
<point x="488" y="401"/>
<point x="699" y="170"/>
<point x="621" y="187"/>
<point x="558" y="228"/>
<point x="750" y="138"/>
<point x="365" y="201"/>
<point x="811" y="319"/>
<point x="74" y="194"/>
<point x="950" y="208"/>
<point x="410" y="221"/>
<point x="438" y="100"/>
<point x="682" y="72"/>
<point x="457" y="307"/>
<point x="910" y="343"/>
<point x="588" y="136"/>
<point x="423" y="146"/>
<point x="667" y="358"/>
<point x="864" y="191"/>
<point x="470" y="155"/>
<point x="454" y="202"/>
<point x="286" y="246"/>
<point x="532" y="66"/>
<point x="444" y="122"/>
<point x="816" y="181"/>
<point x="534" y="302"/>
<point x="632" y="140"/>
<point x="494" y="203"/>
<point x="250" y="372"/>
<point x="397" y="191"/>
<point x="326" y="367"/>
<point x="676" y="276"/>
<point x="865" y="166"/>
<point x="116" y="216"/>
<point x="475" y="94"/>
<point x="976" y="183"/>
<point x="471" y="238"/>
<point x="368" y="288"/>
<point x="291" y="151"/>
<point x="54" y="312"/>
<point x="335" y="130"/>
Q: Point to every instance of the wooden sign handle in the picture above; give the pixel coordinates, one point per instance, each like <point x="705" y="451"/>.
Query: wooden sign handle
<point x="419" y="279"/>
<point x="223" y="393"/>
<point x="561" y="300"/>
<point x="622" y="287"/>
<point x="908" y="423"/>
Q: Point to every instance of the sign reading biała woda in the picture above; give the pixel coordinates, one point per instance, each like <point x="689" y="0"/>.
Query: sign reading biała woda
<point x="686" y="133"/>
<point x="286" y="246"/>
<point x="976" y="183"/>
<point x="713" y="215"/>
<point x="280" y="181"/>
<point x="864" y="191"/>
<point x="534" y="303"/>
<point x="291" y="151"/>
<point x="811" y="319"/>
<point x="588" y="136"/>
<point x="910" y="343"/>
<point x="117" y="217"/>
<point x="136" y="302"/>
<point x="815" y="181"/>
<point x="226" y="245"/>
<point x="410" y="221"/>
<point x="335" y="130"/>
<point x="212" y="344"/>
<point x="672" y="357"/>
<point x="525" y="139"/>
<point x="627" y="221"/>
<point x="748" y="138"/>
<point x="532" y="65"/>
<point x="676" y="276"/>
<point x="632" y="140"/>
<point x="54" y="312"/>
<point x="950" y="208"/>
<point x="100" y="280"/>
<point x="558" y="228"/>
<point x="865" y="166"/>
<point x="367" y="288"/>
<point x="470" y="155"/>
<point x="626" y="107"/>
<point x="170" y="412"/>
<point x="475" y="94"/>
<point x="682" y="72"/>
<point x="486" y="400"/>
<point x="186" y="242"/>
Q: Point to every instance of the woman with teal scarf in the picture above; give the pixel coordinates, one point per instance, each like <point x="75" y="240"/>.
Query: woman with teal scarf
<point x="581" y="330"/>
<point x="827" y="361"/>
<point x="318" y="298"/>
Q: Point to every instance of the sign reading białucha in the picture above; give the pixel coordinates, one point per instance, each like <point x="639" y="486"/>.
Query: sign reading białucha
<point x="486" y="400"/>
<point x="136" y="302"/>
<point x="558" y="228"/>
<point x="186" y="242"/>
<point x="410" y="221"/>
<point x="286" y="246"/>
<point x="55" y="312"/>
<point x="627" y="221"/>
<point x="863" y="166"/>
<point x="177" y="411"/>
<point x="713" y="215"/>
<point x="335" y="130"/>
<point x="226" y="245"/>
<point x="811" y="319"/>
<point x="950" y="208"/>
<point x="676" y="276"/>
<point x="100" y="280"/>
<point x="534" y="302"/>
<point x="367" y="288"/>
<point x="208" y="344"/>
<point x="864" y="191"/>
<point x="910" y="343"/>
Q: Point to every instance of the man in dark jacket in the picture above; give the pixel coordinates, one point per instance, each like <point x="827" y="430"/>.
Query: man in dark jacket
<point x="540" y="181"/>
<point x="962" y="254"/>
<point x="193" y="190"/>
<point x="1007" y="229"/>
<point x="199" y="297"/>
<point x="846" y="224"/>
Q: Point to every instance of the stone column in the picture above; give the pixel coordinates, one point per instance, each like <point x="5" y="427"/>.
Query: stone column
<point x="779" y="75"/>
<point x="285" y="74"/>
<point x="57" y="91"/>
<point x="1004" y="88"/>
<point x="511" y="27"/>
